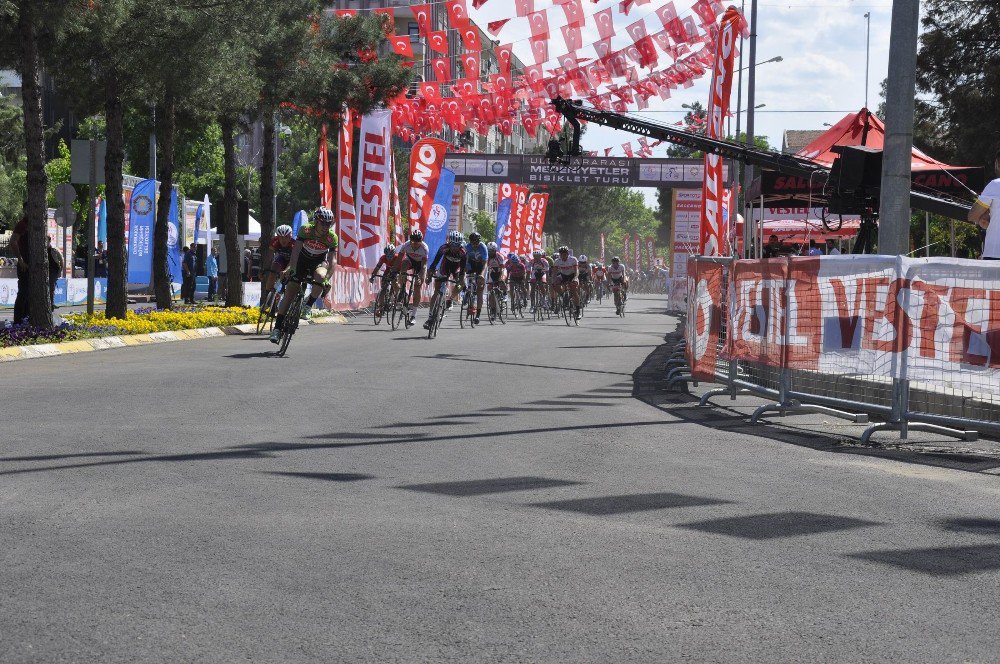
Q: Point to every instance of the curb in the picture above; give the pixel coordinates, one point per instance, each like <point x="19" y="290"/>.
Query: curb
<point x="124" y="341"/>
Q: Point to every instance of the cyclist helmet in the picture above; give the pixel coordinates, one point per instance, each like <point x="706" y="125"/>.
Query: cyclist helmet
<point x="564" y="249"/>
<point x="283" y="230"/>
<point x="616" y="260"/>
<point x="492" y="247"/>
<point x="416" y="236"/>
<point x="537" y="253"/>
<point x="390" y="250"/>
<point x="514" y="258"/>
<point x="583" y="258"/>
<point x="323" y="214"/>
<point x="475" y="237"/>
<point x="454" y="238"/>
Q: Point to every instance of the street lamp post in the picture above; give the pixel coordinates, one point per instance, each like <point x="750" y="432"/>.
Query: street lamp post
<point x="868" y="47"/>
<point x="751" y="93"/>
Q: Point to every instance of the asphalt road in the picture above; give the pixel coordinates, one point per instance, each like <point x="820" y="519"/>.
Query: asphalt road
<point x="519" y="493"/>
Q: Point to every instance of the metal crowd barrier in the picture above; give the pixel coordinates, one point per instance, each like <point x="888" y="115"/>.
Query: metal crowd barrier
<point x="956" y="402"/>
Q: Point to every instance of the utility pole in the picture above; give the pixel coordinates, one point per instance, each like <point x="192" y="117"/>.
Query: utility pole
<point x="868" y="50"/>
<point x="894" y="219"/>
<point x="747" y="172"/>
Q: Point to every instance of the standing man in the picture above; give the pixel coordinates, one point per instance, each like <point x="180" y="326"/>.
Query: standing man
<point x="56" y="265"/>
<point x="188" y="261"/>
<point x="212" y="272"/>
<point x="983" y="210"/>
<point x="19" y="242"/>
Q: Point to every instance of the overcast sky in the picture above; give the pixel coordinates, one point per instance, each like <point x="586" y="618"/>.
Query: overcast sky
<point x="821" y="77"/>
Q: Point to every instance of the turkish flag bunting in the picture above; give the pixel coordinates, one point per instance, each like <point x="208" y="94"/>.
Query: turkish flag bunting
<point x="703" y="8"/>
<point x="423" y="15"/>
<point x="345" y="13"/>
<point x="401" y="45"/>
<point x="607" y="151"/>
<point x="540" y="49"/>
<point x="430" y="91"/>
<point x="500" y="83"/>
<point x="494" y="27"/>
<point x="603" y="48"/>
<point x="573" y="37"/>
<point x="530" y="124"/>
<point x="438" y="41"/>
<point x="458" y="14"/>
<point x="504" y="57"/>
<point x="647" y="50"/>
<point x="626" y="6"/>
<point x="533" y="75"/>
<point x="466" y="88"/>
<point x="470" y="38"/>
<point x="574" y="13"/>
<point x="636" y="30"/>
<point x="389" y="22"/>
<point x="524" y="7"/>
<point x="605" y="23"/>
<point x="666" y="13"/>
<point x="442" y="69"/>
<point x="539" y="22"/>
<point x="471" y="63"/>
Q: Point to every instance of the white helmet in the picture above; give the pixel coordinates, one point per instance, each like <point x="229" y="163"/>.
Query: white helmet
<point x="583" y="258"/>
<point x="283" y="230"/>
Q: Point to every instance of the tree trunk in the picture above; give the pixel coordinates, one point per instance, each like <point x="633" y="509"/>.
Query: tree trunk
<point x="161" y="273"/>
<point x="117" y="292"/>
<point x="267" y="186"/>
<point x="234" y="260"/>
<point x="40" y="307"/>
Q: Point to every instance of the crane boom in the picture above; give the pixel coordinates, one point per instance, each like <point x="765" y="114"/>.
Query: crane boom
<point x="574" y="112"/>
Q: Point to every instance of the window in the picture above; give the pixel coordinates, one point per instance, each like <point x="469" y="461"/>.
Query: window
<point x="414" y="31"/>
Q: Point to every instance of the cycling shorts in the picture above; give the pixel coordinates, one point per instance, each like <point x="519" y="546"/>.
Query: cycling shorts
<point x="495" y="276"/>
<point x="307" y="265"/>
<point x="475" y="268"/>
<point x="417" y="267"/>
<point x="539" y="275"/>
<point x="448" y="269"/>
<point x="564" y="279"/>
<point x="280" y="261"/>
<point x="584" y="278"/>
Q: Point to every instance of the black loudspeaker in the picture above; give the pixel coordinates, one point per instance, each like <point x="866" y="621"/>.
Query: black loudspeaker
<point x="243" y="218"/>
<point x="856" y="167"/>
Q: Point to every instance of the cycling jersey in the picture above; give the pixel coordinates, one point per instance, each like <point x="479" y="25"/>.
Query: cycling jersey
<point x="277" y="248"/>
<point x="391" y="264"/>
<point x="451" y="259"/>
<point x="516" y="270"/>
<point x="616" y="272"/>
<point x="415" y="253"/>
<point x="316" y="244"/>
<point x="585" y="271"/>
<point x="567" y="267"/>
<point x="540" y="267"/>
<point x="495" y="262"/>
<point x="476" y="256"/>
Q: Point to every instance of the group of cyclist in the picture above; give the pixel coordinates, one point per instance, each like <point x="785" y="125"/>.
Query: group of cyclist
<point x="310" y="257"/>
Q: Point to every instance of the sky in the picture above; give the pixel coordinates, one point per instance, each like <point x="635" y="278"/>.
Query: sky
<point x="820" y="79"/>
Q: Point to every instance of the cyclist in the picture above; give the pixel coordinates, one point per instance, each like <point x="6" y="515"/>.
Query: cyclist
<point x="540" y="268"/>
<point x="281" y="254"/>
<point x="451" y="257"/>
<point x="586" y="270"/>
<point x="476" y="257"/>
<point x="390" y="261"/>
<point x="618" y="276"/>
<point x="414" y="258"/>
<point x="314" y="256"/>
<point x="495" y="265"/>
<point x="516" y="272"/>
<point x="566" y="274"/>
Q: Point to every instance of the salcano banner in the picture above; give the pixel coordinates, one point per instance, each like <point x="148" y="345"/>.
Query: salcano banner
<point x="348" y="247"/>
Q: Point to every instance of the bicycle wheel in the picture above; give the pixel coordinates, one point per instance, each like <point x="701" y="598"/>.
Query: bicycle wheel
<point x="394" y="312"/>
<point x="265" y="311"/>
<point x="290" y="325"/>
<point x="566" y="308"/>
<point x="378" y="311"/>
<point x="500" y="310"/>
<point x="491" y="306"/>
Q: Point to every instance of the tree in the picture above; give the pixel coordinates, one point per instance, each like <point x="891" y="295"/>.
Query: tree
<point x="696" y="122"/>
<point x="578" y="215"/>
<point x="485" y="225"/>
<point x="13" y="178"/>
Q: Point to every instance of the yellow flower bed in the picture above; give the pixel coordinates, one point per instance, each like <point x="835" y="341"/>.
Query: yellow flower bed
<point x="164" y="321"/>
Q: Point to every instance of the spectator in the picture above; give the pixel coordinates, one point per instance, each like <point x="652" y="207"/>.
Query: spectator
<point x="19" y="241"/>
<point x="246" y="264"/>
<point x="983" y="210"/>
<point x="814" y="249"/>
<point x="773" y="248"/>
<point x="56" y="266"/>
<point x="212" y="272"/>
<point x="188" y="260"/>
<point x="831" y="249"/>
<point x="101" y="261"/>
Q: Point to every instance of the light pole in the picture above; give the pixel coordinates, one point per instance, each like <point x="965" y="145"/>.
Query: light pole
<point x="751" y="94"/>
<point x="868" y="47"/>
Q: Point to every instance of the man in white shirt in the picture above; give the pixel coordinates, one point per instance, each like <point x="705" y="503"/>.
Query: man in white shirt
<point x="986" y="207"/>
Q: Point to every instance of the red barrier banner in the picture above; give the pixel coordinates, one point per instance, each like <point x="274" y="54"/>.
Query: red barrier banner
<point x="713" y="234"/>
<point x="426" y="161"/>
<point x="348" y="230"/>
<point x="706" y="284"/>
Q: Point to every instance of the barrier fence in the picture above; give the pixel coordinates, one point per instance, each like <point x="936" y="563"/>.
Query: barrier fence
<point x="914" y="341"/>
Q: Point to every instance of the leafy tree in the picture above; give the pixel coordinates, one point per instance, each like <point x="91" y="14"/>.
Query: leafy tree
<point x="578" y="215"/>
<point x="13" y="178"/>
<point x="485" y="225"/>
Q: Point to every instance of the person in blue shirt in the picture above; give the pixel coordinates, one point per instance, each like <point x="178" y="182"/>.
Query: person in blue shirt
<point x="448" y="263"/>
<point x="476" y="256"/>
<point x="212" y="272"/>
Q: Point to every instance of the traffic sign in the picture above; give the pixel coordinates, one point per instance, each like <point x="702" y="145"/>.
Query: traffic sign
<point x="66" y="195"/>
<point x="65" y="217"/>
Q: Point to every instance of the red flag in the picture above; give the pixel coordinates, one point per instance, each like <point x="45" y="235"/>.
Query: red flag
<point x="504" y="57"/>
<point x="573" y="37"/>
<point x="401" y="45"/>
<point x="471" y="64"/>
<point x="636" y="30"/>
<point x="539" y="23"/>
<point x="703" y="8"/>
<point x="442" y="69"/>
<point x="494" y="27"/>
<point x="518" y="217"/>
<point x="348" y="229"/>
<point x="713" y="232"/>
<point x="346" y="13"/>
<point x="540" y="49"/>
<point x="325" y="190"/>
<point x="470" y="38"/>
<point x="666" y="14"/>
<point x="650" y="251"/>
<point x="524" y="7"/>
<point x="626" y="248"/>
<point x="429" y="90"/>
<point x="426" y="161"/>
<point x="607" y="152"/>
<point x="628" y="149"/>
<point x="458" y="14"/>
<point x="539" y="205"/>
<point x="574" y="13"/>
<point x="438" y="41"/>
<point x="422" y="13"/>
<point x="637" y="249"/>
<point x="605" y="23"/>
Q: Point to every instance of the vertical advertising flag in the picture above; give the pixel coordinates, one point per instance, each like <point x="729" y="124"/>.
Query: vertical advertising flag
<point x="141" y="215"/>
<point x="626" y="249"/>
<point x="374" y="184"/>
<point x="397" y="212"/>
<point x="637" y="255"/>
<point x="712" y="235"/>
<point x="436" y="231"/>
<point x="538" y="205"/>
<point x="174" y="243"/>
<point x="348" y="230"/>
<point x="325" y="190"/>
<point x="102" y="221"/>
<point x="518" y="219"/>
<point x="198" y="214"/>
<point x="503" y="219"/>
<point x="426" y="164"/>
<point x="300" y="218"/>
<point x="603" y="239"/>
<point x="650" y="251"/>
